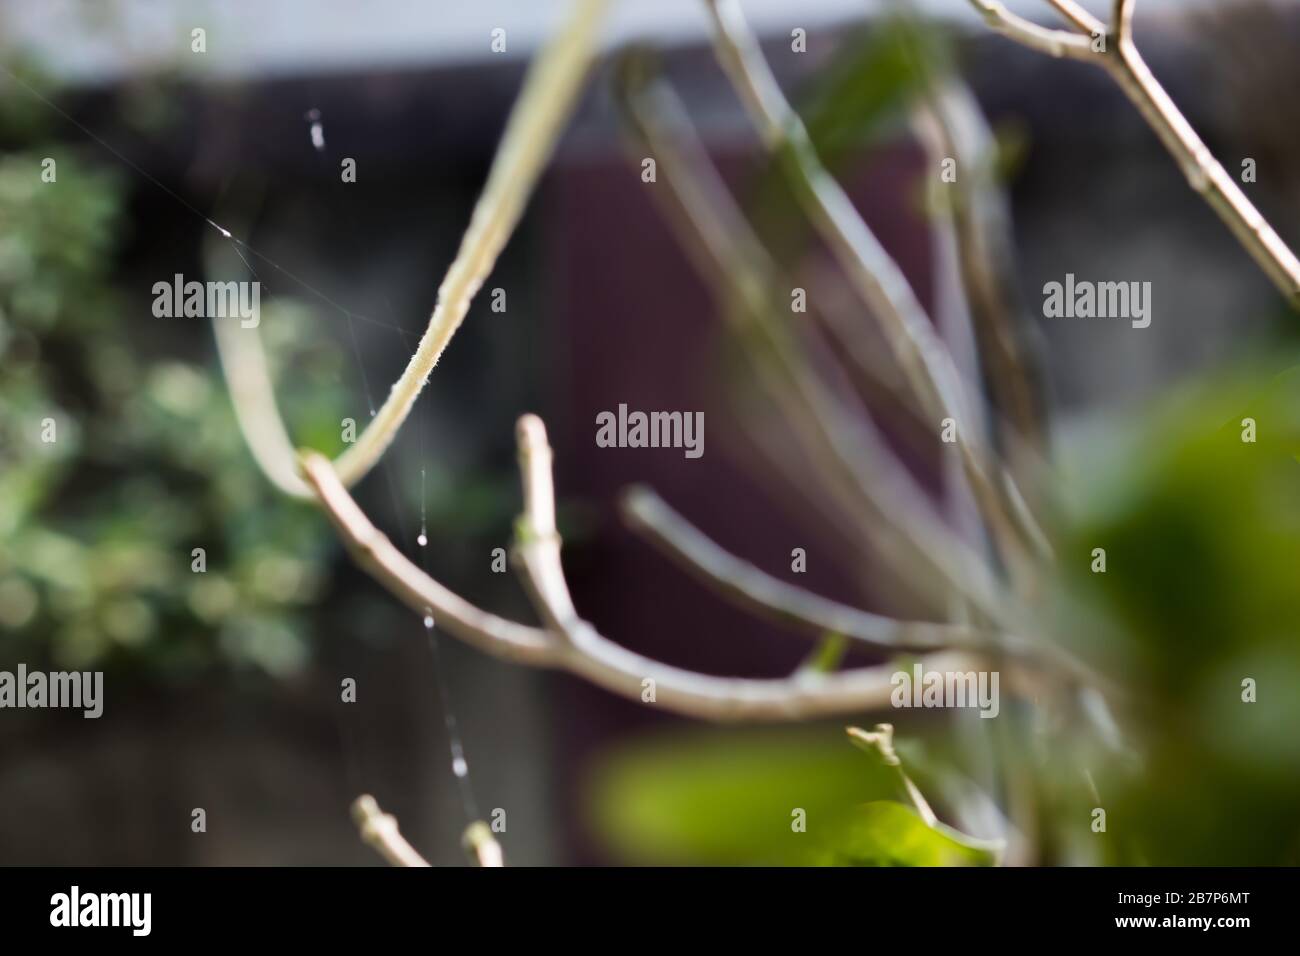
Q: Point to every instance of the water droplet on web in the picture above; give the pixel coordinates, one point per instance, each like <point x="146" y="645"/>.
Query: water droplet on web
<point x="317" y="131"/>
<point x="428" y="622"/>
<point x="422" y="540"/>
<point x="459" y="767"/>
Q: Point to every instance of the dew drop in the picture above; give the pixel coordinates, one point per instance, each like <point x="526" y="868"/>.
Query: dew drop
<point x="317" y="131"/>
<point x="428" y="622"/>
<point x="422" y="540"/>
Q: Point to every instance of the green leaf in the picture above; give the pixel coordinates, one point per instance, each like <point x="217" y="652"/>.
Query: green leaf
<point x="885" y="833"/>
<point x="1202" y="538"/>
<point x="728" y="797"/>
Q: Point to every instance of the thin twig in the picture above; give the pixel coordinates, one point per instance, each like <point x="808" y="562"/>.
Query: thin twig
<point x="1078" y="16"/>
<point x="549" y="93"/>
<point x="380" y="830"/>
<point x="784" y="603"/>
<point x="1058" y="43"/>
<point x="881" y="742"/>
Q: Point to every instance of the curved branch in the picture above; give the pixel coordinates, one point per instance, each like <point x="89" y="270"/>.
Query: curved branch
<point x="549" y="93"/>
<point x="248" y="377"/>
<point x="754" y="590"/>
<point x="571" y="644"/>
<point x="379" y="558"/>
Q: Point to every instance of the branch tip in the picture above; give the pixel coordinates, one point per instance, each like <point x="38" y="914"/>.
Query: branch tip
<point x="531" y="435"/>
<point x="380" y="830"/>
<point x="879" y="741"/>
<point x="481" y="846"/>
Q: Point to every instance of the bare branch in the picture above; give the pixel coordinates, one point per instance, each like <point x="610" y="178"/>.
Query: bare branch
<point x="380" y="830"/>
<point x="873" y="272"/>
<point x="859" y="466"/>
<point x="951" y="124"/>
<point x="549" y="92"/>
<point x="917" y="347"/>
<point x="973" y="239"/>
<point x="1121" y="24"/>
<point x="1203" y="172"/>
<point x="799" y="697"/>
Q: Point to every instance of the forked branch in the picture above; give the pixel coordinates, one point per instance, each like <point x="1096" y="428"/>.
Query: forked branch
<point x="800" y="696"/>
<point x="1118" y="55"/>
<point x="568" y="642"/>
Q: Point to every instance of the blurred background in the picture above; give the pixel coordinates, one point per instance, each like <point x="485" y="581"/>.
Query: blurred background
<point x="222" y="688"/>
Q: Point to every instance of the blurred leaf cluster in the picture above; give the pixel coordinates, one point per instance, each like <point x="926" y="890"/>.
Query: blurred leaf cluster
<point x="794" y="797"/>
<point x="1201" y="592"/>
<point x="98" y="527"/>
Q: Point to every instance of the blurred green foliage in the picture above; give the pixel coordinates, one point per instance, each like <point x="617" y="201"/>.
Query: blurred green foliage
<point x="728" y="797"/>
<point x="886" y="833"/>
<point x="796" y="796"/>
<point x="1201" y="592"/>
<point x="97" y="527"/>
